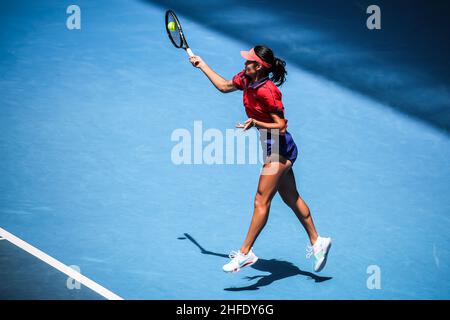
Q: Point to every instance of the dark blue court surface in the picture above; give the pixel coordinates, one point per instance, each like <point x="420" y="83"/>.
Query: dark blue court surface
<point x="86" y="173"/>
<point x="26" y="277"/>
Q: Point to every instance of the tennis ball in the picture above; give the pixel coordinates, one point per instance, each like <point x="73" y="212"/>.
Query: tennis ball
<point x="171" y="26"/>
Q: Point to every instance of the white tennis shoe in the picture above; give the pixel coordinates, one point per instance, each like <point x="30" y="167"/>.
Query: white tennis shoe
<point x="239" y="261"/>
<point x="320" y="251"/>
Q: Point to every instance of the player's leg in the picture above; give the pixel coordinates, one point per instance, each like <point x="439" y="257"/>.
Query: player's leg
<point x="288" y="192"/>
<point x="267" y="188"/>
<point x="320" y="246"/>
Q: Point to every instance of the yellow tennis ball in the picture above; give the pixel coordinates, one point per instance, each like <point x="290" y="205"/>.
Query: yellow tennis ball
<point x="171" y="26"/>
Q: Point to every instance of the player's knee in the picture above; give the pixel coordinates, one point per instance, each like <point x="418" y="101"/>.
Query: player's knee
<point x="261" y="201"/>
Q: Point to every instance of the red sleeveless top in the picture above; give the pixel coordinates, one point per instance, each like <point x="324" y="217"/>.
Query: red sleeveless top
<point x="261" y="98"/>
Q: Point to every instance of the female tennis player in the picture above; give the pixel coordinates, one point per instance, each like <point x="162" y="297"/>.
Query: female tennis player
<point x="262" y="100"/>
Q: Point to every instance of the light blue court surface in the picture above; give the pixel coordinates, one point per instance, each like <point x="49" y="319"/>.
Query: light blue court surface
<point x="86" y="174"/>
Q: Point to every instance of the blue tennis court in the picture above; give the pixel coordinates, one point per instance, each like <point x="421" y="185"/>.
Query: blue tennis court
<point x="87" y="175"/>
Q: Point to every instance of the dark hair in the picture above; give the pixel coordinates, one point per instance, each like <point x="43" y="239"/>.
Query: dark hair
<point x="278" y="68"/>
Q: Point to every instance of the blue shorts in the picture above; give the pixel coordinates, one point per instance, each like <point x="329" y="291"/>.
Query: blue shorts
<point x="287" y="147"/>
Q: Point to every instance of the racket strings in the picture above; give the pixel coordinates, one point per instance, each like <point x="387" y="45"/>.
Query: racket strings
<point x="175" y="34"/>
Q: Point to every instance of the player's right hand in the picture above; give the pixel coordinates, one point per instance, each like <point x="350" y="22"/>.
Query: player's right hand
<point x="197" y="61"/>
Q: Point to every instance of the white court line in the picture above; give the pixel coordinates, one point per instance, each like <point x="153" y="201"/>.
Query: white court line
<point x="60" y="266"/>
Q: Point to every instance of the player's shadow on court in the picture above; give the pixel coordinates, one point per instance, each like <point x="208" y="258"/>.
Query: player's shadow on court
<point x="278" y="269"/>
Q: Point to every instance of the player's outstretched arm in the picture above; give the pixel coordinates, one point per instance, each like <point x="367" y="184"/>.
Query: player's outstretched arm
<point x="220" y="83"/>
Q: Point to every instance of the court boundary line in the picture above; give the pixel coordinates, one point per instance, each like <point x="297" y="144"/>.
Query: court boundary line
<point x="94" y="286"/>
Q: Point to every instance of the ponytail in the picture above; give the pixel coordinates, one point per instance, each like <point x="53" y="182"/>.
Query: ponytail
<point x="278" y="68"/>
<point x="278" y="71"/>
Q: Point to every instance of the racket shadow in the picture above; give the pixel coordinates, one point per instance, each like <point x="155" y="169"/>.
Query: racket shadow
<point x="277" y="269"/>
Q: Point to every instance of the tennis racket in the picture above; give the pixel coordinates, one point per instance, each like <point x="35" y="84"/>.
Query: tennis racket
<point x="176" y="36"/>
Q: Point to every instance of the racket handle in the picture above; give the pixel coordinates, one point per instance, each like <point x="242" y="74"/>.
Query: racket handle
<point x="189" y="52"/>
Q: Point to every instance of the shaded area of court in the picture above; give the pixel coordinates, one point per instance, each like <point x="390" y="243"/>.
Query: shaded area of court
<point x="24" y="277"/>
<point x="404" y="65"/>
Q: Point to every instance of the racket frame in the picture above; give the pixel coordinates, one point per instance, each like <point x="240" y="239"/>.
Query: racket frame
<point x="184" y="45"/>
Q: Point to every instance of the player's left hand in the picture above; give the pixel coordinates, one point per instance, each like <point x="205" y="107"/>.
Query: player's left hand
<point x="247" y="124"/>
